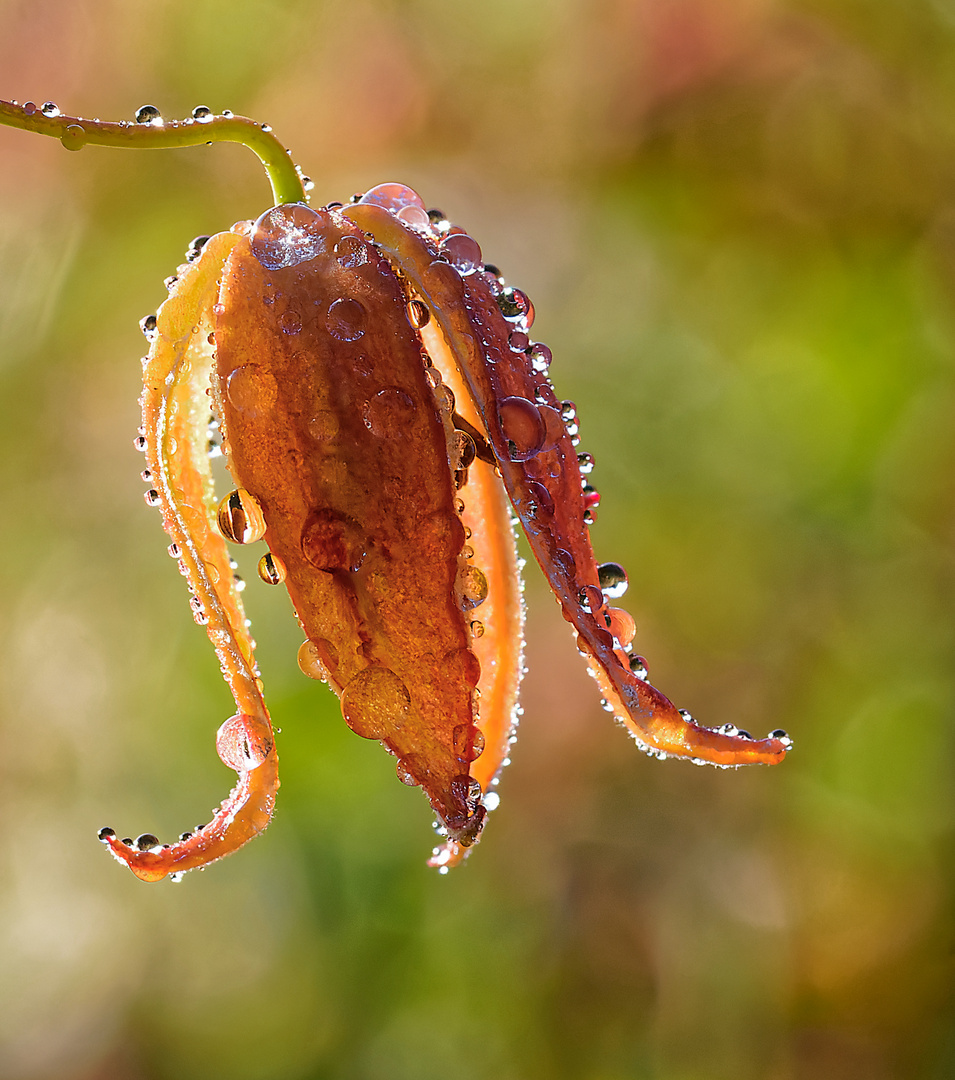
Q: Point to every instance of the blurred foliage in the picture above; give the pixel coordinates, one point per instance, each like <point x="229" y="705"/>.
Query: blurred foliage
<point x="736" y="220"/>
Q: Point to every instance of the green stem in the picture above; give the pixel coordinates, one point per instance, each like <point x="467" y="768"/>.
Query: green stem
<point x="75" y="133"/>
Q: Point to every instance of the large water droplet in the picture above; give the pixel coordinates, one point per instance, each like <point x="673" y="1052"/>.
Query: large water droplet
<point x="271" y="569"/>
<point x="376" y="703"/>
<point x="467" y="742"/>
<point x="287" y="236"/>
<point x="252" y="389"/>
<point x="345" y="319"/>
<point x="239" y="517"/>
<point x="332" y="541"/>
<point x="351" y="251"/>
<point x="74" y="138"/>
<point x="621" y="624"/>
<point x="393" y="197"/>
<point x="243" y="742"/>
<point x="474" y="587"/>
<point x="522" y="426"/>
<point x="613" y="579"/>
<point x="317" y="658"/>
<point x="388" y="413"/>
<point x="149" y="114"/>
<point x="463" y="252"/>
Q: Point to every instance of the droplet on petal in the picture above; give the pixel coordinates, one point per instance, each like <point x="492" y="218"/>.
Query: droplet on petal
<point x="271" y="569"/>
<point x="240" y="517"/>
<point x="345" y="319"/>
<point x="243" y="742"/>
<point x="613" y="579"/>
<point x="463" y="252"/>
<point x="388" y="413"/>
<point x="522" y="426"/>
<point x="286" y="236"/>
<point x="376" y="703"/>
<point x="474" y="587"/>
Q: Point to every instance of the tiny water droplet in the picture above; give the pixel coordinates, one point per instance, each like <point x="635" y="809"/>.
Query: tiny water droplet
<point x="194" y="250"/>
<point x="173" y="551"/>
<point x="239" y="517"/>
<point x="149" y="326"/>
<point x="591" y="599"/>
<point x="638" y="666"/>
<point x="140" y="443"/>
<point x="477" y="629"/>
<point x="541" y="357"/>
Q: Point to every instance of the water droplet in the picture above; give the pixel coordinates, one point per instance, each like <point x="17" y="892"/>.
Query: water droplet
<point x="287" y="236"/>
<point x="613" y="579"/>
<point x="474" y="587"/>
<point x="726" y="729"/>
<point x="463" y="450"/>
<point x="516" y="307"/>
<point x="173" y="551"/>
<point x="591" y="599"/>
<point x="418" y="313"/>
<point x="345" y="319"/>
<point x="621" y="624"/>
<point x="441" y="276"/>
<point x="140" y="443"/>
<point x="585" y="462"/>
<point x="403" y="769"/>
<point x="317" y="657"/>
<point x="149" y="326"/>
<point x="591" y="497"/>
<point x="541" y="357"/>
<point x="522" y="426"/>
<point x="466" y="790"/>
<point x="566" y="561"/>
<point x="638" y="666"/>
<point x="48" y="108"/>
<point x="290" y="322"/>
<point x="492" y="801"/>
<point x="543" y="501"/>
<point x="393" y="197"/>
<point x="271" y="569"/>
<point x="323" y="426"/>
<point x="146" y="840"/>
<point x="467" y="742"/>
<point x="463" y="252"/>
<point x="106" y="833"/>
<point x="351" y="251"/>
<point x="568" y="410"/>
<point x="149" y="114"/>
<point x="196" y="244"/>
<point x="243" y="742"/>
<point x="376" y="703"/>
<point x="228" y="113"/>
<point x="74" y="138"/>
<point x="477" y="629"/>
<point x="388" y="413"/>
<point x="332" y="541"/>
<point x="29" y="107"/>
<point x="239" y="517"/>
<point x="252" y="389"/>
<point x="202" y="113"/>
<point x="151" y="497"/>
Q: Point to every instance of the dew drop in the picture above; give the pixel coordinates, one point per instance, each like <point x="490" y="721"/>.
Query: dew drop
<point x="173" y="551"/>
<point x="465" y="744"/>
<point x="317" y="658"/>
<point x="418" y="313"/>
<point x="287" y="236"/>
<point x="149" y="114"/>
<point x="323" y="426"/>
<point x="474" y="587"/>
<point x="252" y="390"/>
<point x="290" y="322"/>
<point x="239" y="517"/>
<point x="48" y="108"/>
<point x="477" y="629"/>
<point x="140" y="443"/>
<point x="585" y="462"/>
<point x="518" y="340"/>
<point x="149" y="326"/>
<point x="243" y="742"/>
<point x="29" y="107"/>
<point x="543" y="501"/>
<point x="74" y="138"/>
<point x="621" y="624"/>
<point x="332" y="541"/>
<point x="106" y="833"/>
<point x="403" y="770"/>
<point x="376" y="703"/>
<point x="613" y="579"/>
<point x="393" y="197"/>
<point x="541" y="357"/>
<point x="516" y="307"/>
<point x="463" y="450"/>
<point x="522" y="426"/>
<point x="466" y="790"/>
<point x="151" y="497"/>
<point x="388" y="413"/>
<point x="202" y="113"/>
<point x="345" y="319"/>
<point x="463" y="252"/>
<point x="271" y="569"/>
<point x="591" y="599"/>
<point x="145" y="841"/>
<point x="351" y="251"/>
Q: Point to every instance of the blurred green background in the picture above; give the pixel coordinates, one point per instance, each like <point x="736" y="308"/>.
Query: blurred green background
<point x="737" y="221"/>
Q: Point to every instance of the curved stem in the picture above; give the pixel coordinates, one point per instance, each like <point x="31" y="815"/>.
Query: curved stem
<point x="75" y="133"/>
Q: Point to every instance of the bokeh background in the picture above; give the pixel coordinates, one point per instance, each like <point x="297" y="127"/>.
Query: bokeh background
<point x="737" y="221"/>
